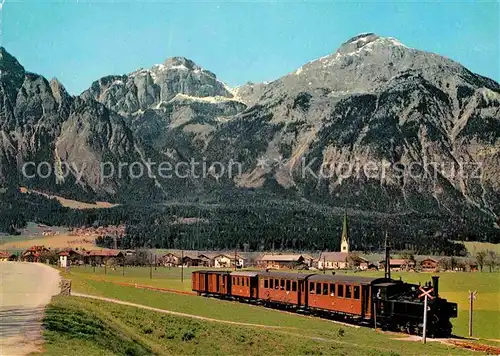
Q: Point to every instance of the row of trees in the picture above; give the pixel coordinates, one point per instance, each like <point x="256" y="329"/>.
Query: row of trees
<point x="487" y="258"/>
<point x="250" y="224"/>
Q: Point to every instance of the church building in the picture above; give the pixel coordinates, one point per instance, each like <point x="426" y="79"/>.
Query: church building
<point x="337" y="260"/>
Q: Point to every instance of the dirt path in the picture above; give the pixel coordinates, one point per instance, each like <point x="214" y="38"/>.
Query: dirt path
<point x="164" y="311"/>
<point x="281" y="329"/>
<point x="25" y="290"/>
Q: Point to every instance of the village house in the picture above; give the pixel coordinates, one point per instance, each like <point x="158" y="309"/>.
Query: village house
<point x="190" y="259"/>
<point x="429" y="265"/>
<point x="4" y="256"/>
<point x="226" y="261"/>
<point x="206" y="260"/>
<point x="358" y="262"/>
<point x="63" y="259"/>
<point x="398" y="264"/>
<point x="100" y="257"/>
<point x="170" y="260"/>
<point x="280" y="261"/>
<point x="333" y="260"/>
<point x="35" y="254"/>
<point x="310" y="261"/>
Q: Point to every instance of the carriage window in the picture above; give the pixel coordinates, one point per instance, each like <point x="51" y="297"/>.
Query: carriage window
<point x="311" y="287"/>
<point x="340" y="290"/>
<point x="325" y="288"/>
<point x="271" y="283"/>
<point x="234" y="280"/>
<point x="348" y="291"/>
<point x="248" y="282"/>
<point x="294" y="286"/>
<point x="282" y="283"/>
<point x="318" y="288"/>
<point x="332" y="290"/>
<point x="356" y="292"/>
<point x="287" y="286"/>
<point x="266" y="283"/>
<point x="277" y="283"/>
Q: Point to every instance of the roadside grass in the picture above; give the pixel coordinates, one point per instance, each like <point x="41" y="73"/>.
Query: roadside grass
<point x="75" y="325"/>
<point x="453" y="286"/>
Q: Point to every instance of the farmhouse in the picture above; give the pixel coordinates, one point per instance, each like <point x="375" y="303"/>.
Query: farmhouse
<point x="397" y="264"/>
<point x="190" y="259"/>
<point x="227" y="261"/>
<point x="310" y="261"/>
<point x="34" y="254"/>
<point x="98" y="257"/>
<point x="280" y="261"/>
<point x="429" y="265"/>
<point x="206" y="260"/>
<point x="4" y="256"/>
<point x="358" y="262"/>
<point x="170" y="259"/>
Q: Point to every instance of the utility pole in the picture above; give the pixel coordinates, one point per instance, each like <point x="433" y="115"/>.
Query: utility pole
<point x="472" y="297"/>
<point x="182" y="266"/>
<point x="235" y="259"/>
<point x="324" y="264"/>
<point x="387" y="264"/>
<point x="151" y="266"/>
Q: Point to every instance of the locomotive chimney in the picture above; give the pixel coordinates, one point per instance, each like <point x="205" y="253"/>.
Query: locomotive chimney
<point x="435" y="284"/>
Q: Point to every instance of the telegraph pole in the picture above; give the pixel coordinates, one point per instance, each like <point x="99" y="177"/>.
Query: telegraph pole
<point x="387" y="267"/>
<point x="324" y="264"/>
<point x="182" y="266"/>
<point x="472" y="297"/>
<point x="151" y="266"/>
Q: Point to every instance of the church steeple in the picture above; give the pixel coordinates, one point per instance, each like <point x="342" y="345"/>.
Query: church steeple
<point x="344" y="242"/>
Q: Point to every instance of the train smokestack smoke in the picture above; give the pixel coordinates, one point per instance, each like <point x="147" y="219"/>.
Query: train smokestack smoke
<point x="435" y="284"/>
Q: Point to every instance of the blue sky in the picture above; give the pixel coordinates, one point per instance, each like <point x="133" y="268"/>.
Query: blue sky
<point x="78" y="42"/>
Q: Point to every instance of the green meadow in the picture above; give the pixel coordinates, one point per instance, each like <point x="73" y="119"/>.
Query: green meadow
<point x="454" y="286"/>
<point x="74" y="325"/>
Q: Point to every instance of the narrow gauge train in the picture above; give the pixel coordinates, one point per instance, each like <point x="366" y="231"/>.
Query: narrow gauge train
<point x="392" y="304"/>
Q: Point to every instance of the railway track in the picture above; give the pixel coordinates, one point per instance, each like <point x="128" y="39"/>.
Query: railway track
<point x="457" y="342"/>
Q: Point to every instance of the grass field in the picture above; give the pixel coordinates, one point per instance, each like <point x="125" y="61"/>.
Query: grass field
<point x="453" y="286"/>
<point x="74" y="325"/>
<point x="475" y="246"/>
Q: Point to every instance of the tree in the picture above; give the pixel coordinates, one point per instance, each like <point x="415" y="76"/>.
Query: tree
<point x="481" y="259"/>
<point x="444" y="264"/>
<point x="491" y="259"/>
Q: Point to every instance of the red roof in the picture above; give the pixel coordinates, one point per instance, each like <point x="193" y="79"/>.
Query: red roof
<point x="64" y="253"/>
<point x="4" y="254"/>
<point x="104" y="253"/>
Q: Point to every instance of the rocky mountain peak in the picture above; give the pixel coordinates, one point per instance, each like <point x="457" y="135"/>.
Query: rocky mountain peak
<point x="367" y="39"/>
<point x="180" y="63"/>
<point x="11" y="73"/>
<point x="9" y="63"/>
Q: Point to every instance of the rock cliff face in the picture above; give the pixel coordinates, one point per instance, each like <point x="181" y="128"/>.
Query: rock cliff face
<point x="375" y="125"/>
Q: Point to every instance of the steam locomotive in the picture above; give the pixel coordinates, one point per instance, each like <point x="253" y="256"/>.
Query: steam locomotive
<point x="387" y="303"/>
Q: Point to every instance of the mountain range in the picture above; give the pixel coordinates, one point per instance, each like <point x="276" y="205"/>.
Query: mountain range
<point x="375" y="126"/>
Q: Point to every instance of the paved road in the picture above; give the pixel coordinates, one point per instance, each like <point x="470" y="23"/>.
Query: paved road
<point x="25" y="290"/>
